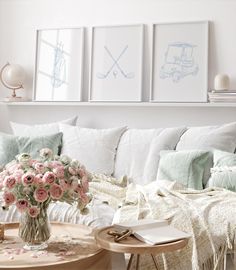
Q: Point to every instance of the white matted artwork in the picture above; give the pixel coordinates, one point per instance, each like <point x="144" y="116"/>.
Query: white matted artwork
<point x="116" y="63"/>
<point x="180" y="62"/>
<point x="59" y="64"/>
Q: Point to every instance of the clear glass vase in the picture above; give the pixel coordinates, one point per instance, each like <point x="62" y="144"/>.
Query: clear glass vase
<point x="35" y="231"/>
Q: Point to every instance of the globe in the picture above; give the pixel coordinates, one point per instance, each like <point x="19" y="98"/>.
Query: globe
<point x="13" y="76"/>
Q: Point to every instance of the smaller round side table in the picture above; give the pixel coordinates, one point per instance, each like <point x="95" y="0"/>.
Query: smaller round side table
<point x="134" y="246"/>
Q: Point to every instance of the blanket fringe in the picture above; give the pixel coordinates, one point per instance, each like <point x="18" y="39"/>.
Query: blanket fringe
<point x="217" y="261"/>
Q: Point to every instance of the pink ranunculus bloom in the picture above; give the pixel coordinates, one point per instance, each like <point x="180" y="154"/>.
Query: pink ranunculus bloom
<point x="32" y="162"/>
<point x="40" y="194"/>
<point x="47" y="164"/>
<point x="46" y="153"/>
<point x="33" y="211"/>
<point x="72" y="171"/>
<point x="39" y="179"/>
<point x="85" y="183"/>
<point x="28" y="178"/>
<point x="9" y="198"/>
<point x="39" y="167"/>
<point x="18" y="175"/>
<point x="79" y="189"/>
<point x="9" y="182"/>
<point x="49" y="178"/>
<point x="74" y="183"/>
<point x="12" y="167"/>
<point x="54" y="164"/>
<point x="59" y="172"/>
<point x="22" y="205"/>
<point x="56" y="191"/>
<point x="84" y="198"/>
<point x="63" y="184"/>
<point x="3" y="175"/>
<point x="82" y="171"/>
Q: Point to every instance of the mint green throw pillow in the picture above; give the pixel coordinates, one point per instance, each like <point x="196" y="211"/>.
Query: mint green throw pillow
<point x="33" y="145"/>
<point x="224" y="171"/>
<point x="11" y="146"/>
<point x="222" y="158"/>
<point x="8" y="148"/>
<point x="188" y="167"/>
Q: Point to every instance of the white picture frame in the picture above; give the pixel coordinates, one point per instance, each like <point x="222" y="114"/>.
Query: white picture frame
<point x="59" y="64"/>
<point x="180" y="62"/>
<point x="116" y="66"/>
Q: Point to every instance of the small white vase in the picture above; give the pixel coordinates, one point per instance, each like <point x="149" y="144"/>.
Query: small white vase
<point x="221" y="82"/>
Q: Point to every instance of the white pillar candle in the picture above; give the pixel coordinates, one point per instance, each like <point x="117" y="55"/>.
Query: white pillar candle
<point x="221" y="82"/>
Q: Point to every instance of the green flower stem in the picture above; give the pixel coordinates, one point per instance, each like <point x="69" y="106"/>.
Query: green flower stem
<point x="34" y="230"/>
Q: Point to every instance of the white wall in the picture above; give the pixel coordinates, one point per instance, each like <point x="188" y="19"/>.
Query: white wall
<point x="19" y="20"/>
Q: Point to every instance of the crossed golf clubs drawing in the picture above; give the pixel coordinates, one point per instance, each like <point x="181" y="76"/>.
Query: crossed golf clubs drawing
<point x="115" y="63"/>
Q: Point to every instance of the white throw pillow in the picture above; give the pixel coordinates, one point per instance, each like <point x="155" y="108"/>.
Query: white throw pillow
<point x="138" y="152"/>
<point x="95" y="148"/>
<point x="40" y="129"/>
<point x="209" y="137"/>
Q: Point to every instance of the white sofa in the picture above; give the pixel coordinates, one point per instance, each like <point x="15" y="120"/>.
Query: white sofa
<point x="122" y="151"/>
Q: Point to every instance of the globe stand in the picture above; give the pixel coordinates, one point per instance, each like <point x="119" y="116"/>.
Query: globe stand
<point x="13" y="99"/>
<point x="19" y="85"/>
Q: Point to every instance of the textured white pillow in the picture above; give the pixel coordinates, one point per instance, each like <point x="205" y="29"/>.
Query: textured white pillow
<point x="209" y="137"/>
<point x="138" y="152"/>
<point x="41" y="129"/>
<point x="95" y="148"/>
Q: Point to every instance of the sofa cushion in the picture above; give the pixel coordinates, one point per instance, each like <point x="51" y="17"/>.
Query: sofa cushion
<point x="11" y="146"/>
<point x="95" y="148"/>
<point x="40" y="129"/>
<point x="209" y="137"/>
<point x="223" y="174"/>
<point x="138" y="152"/>
<point x="8" y="148"/>
<point x="186" y="167"/>
<point x="33" y="145"/>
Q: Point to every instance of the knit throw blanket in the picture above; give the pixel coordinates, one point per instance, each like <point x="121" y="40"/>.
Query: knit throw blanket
<point x="208" y="215"/>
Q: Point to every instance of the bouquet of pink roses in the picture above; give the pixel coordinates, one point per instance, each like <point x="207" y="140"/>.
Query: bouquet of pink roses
<point x="33" y="184"/>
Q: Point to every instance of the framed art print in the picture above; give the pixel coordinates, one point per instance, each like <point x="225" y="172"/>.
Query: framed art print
<point x="180" y="62"/>
<point x="59" y="64"/>
<point x="116" y="63"/>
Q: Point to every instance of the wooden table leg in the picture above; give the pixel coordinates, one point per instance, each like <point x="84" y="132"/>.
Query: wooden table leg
<point x="137" y="262"/>
<point x="155" y="261"/>
<point x="130" y="261"/>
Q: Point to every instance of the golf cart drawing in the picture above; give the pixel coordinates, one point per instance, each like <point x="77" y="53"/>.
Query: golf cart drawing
<point x="115" y="68"/>
<point x="179" y="62"/>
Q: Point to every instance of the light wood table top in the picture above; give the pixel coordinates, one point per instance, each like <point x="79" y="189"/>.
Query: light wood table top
<point x="133" y="245"/>
<point x="70" y="247"/>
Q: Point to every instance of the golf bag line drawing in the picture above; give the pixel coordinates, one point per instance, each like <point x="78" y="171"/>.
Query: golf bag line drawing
<point x="115" y="69"/>
<point x="59" y="67"/>
<point x="179" y="62"/>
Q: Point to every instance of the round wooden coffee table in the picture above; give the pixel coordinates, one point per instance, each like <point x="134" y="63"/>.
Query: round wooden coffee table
<point x="133" y="246"/>
<point x="70" y="247"/>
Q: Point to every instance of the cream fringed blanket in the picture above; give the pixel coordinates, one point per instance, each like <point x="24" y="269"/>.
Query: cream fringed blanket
<point x="209" y="215"/>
